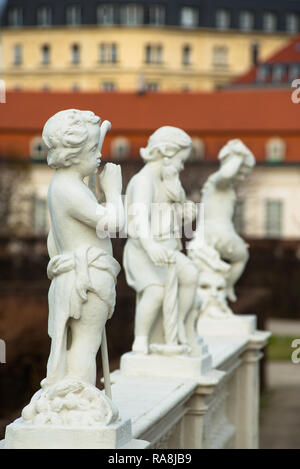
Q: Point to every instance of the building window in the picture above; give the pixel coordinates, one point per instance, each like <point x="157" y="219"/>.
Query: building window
<point x="154" y="54"/>
<point x="223" y="19"/>
<point x="269" y="21"/>
<point x="15" y="16"/>
<point x="275" y="150"/>
<point x="238" y="218"/>
<point x="152" y="86"/>
<point x="246" y="20"/>
<point x="120" y="148"/>
<point x="273" y="218"/>
<point x="108" y="53"/>
<point x="262" y="73"/>
<point x="106" y="14"/>
<point x="278" y="73"/>
<point x="186" y="55"/>
<point x="75" y="87"/>
<point x="292" y="23"/>
<point x="189" y="17"/>
<point x="157" y="15"/>
<point x="44" y="16"/>
<point x="254" y="51"/>
<point x="220" y="56"/>
<point x="40" y="219"/>
<point x="198" y="150"/>
<point x="18" y="54"/>
<point x="293" y="72"/>
<point x="46" y="54"/>
<point x="73" y="15"/>
<point x="132" y="15"/>
<point x="108" y="86"/>
<point x="75" y="54"/>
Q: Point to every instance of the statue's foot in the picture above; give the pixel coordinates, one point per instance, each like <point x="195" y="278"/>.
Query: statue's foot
<point x="140" y="345"/>
<point x="231" y="294"/>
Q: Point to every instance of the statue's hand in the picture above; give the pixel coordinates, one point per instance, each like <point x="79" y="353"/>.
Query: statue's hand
<point x="111" y="178"/>
<point x="158" y="254"/>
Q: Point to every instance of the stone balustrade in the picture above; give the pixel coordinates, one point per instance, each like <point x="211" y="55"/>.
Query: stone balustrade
<point x="219" y="409"/>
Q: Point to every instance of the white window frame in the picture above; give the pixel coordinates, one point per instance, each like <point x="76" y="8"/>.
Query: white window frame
<point x="292" y="22"/>
<point x="45" y="54"/>
<point x="108" y="53"/>
<point x="189" y="17"/>
<point x="270" y="21"/>
<point x="157" y="15"/>
<point x="246" y="20"/>
<point x="17" y="55"/>
<point x="106" y="14"/>
<point x="74" y="15"/>
<point x="108" y="86"/>
<point x="223" y="19"/>
<point x="132" y="15"/>
<point x="44" y="16"/>
<point x="75" y="54"/>
<point x="186" y="55"/>
<point x="154" y="54"/>
<point x="15" y="17"/>
<point x="273" y="224"/>
<point x="220" y="56"/>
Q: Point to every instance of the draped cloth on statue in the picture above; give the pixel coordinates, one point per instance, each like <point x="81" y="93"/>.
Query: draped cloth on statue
<point x="71" y="281"/>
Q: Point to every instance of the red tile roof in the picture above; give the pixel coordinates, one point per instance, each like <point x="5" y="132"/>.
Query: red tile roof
<point x="287" y="55"/>
<point x="228" y="110"/>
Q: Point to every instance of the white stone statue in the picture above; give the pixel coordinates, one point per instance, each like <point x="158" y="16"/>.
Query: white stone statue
<point x="82" y="295"/>
<point x="165" y="280"/>
<point x="219" y="198"/>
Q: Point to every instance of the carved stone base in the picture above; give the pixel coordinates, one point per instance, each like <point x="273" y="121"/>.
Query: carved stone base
<point x="179" y="366"/>
<point x="115" y="436"/>
<point x="232" y="325"/>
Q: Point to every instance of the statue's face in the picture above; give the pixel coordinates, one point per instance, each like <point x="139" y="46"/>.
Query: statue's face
<point x="212" y="288"/>
<point x="90" y="157"/>
<point x="180" y="158"/>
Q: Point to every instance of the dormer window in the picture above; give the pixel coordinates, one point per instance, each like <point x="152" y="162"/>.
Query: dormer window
<point x="15" y="16"/>
<point x="44" y="16"/>
<point x="73" y="15"/>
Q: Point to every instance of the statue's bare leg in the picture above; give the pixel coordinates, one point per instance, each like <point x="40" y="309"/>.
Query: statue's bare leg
<point x="187" y="287"/>
<point x="147" y="310"/>
<point x="85" y="339"/>
<point x="238" y="263"/>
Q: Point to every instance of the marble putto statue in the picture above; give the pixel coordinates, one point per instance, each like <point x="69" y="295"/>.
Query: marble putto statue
<point x="219" y="199"/>
<point x="82" y="294"/>
<point x="165" y="280"/>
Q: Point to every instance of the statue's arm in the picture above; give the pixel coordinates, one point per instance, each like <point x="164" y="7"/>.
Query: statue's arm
<point x="83" y="208"/>
<point x="228" y="171"/>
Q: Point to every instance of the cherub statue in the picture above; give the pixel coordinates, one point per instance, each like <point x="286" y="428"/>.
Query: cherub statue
<point x="82" y="270"/>
<point x="164" y="279"/>
<point x="212" y="284"/>
<point x="219" y="198"/>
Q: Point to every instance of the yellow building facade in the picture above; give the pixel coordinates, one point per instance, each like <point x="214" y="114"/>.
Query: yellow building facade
<point x="90" y="58"/>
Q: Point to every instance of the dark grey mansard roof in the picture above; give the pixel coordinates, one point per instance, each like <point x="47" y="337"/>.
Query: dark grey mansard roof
<point x="206" y="8"/>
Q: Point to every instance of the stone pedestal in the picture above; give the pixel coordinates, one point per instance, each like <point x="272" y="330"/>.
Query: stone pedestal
<point x="177" y="366"/>
<point x="235" y="325"/>
<point x="115" y="436"/>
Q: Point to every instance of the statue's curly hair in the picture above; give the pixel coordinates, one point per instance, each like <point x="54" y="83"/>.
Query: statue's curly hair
<point x="65" y="134"/>
<point x="165" y="142"/>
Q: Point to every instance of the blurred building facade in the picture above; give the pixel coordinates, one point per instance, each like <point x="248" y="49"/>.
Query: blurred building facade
<point x="164" y="45"/>
<point x="269" y="200"/>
